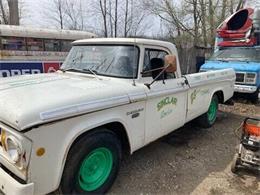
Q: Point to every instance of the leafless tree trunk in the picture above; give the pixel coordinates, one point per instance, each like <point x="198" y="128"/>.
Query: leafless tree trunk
<point x="81" y="16"/>
<point x="66" y="14"/>
<point x="55" y="13"/>
<point x="111" y="19"/>
<point x="116" y="16"/>
<point x="74" y="13"/>
<point x="126" y="18"/>
<point x="211" y="22"/>
<point x="60" y="13"/>
<point x="4" y="17"/>
<point x="13" y="12"/>
<point x="203" y="22"/>
<point x="195" y="19"/>
<point x="240" y="4"/>
<point x="223" y="11"/>
<point x="103" y="8"/>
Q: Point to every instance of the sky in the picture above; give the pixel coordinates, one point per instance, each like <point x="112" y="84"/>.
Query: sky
<point x="32" y="12"/>
<point x="34" y="16"/>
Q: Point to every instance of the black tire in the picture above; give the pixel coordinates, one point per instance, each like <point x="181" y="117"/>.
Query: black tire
<point x="235" y="164"/>
<point x="254" y="96"/>
<point x="204" y="120"/>
<point x="82" y="150"/>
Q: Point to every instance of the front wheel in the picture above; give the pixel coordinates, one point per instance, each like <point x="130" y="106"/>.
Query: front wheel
<point x="92" y="164"/>
<point x="208" y="119"/>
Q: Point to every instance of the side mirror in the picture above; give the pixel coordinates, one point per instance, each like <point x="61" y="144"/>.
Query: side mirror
<point x="170" y="66"/>
<point x="171" y="63"/>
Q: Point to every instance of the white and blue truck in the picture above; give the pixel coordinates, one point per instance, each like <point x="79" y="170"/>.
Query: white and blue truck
<point x="246" y="63"/>
<point x="238" y="47"/>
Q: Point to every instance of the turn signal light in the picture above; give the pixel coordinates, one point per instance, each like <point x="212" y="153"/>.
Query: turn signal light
<point x="3" y="139"/>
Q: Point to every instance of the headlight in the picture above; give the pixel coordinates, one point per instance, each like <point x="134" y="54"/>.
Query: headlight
<point x="250" y="78"/>
<point x="13" y="149"/>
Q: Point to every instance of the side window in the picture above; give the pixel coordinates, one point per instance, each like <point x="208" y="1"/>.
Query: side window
<point x="13" y="43"/>
<point x="66" y="45"/>
<point x="52" y="45"/>
<point x="34" y="44"/>
<point x="154" y="59"/>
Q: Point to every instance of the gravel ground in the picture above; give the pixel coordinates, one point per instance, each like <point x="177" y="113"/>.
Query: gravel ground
<point x="191" y="160"/>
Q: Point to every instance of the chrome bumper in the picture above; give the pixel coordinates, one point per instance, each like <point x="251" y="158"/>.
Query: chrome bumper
<point x="245" y="88"/>
<point x="10" y="186"/>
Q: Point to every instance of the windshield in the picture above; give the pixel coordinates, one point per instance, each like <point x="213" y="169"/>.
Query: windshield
<point x="108" y="60"/>
<point x="237" y="54"/>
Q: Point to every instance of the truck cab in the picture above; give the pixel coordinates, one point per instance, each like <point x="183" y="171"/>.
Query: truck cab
<point x="246" y="63"/>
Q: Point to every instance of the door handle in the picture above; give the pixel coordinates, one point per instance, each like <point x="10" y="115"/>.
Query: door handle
<point x="181" y="83"/>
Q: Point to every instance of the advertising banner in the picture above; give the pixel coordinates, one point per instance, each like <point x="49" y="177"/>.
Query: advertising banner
<point x="8" y="69"/>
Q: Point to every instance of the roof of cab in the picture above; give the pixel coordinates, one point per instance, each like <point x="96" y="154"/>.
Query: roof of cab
<point x="125" y="41"/>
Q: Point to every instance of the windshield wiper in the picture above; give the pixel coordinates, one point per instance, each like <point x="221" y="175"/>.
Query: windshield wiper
<point x="94" y="72"/>
<point x="72" y="69"/>
<point x="86" y="70"/>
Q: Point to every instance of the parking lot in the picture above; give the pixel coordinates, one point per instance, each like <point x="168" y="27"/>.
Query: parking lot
<point x="191" y="160"/>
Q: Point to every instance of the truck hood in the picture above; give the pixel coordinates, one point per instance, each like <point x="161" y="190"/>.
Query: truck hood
<point x="36" y="99"/>
<point x="236" y="65"/>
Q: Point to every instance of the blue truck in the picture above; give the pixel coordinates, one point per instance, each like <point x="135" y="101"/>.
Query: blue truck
<point x="246" y="63"/>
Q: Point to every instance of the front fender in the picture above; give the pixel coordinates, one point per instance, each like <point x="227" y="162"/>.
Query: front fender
<point x="57" y="139"/>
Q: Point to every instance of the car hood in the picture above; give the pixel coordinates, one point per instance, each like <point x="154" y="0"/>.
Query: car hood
<point x="36" y="99"/>
<point x="236" y="65"/>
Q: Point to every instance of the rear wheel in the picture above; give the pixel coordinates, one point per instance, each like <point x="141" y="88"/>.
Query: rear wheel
<point x="92" y="164"/>
<point x="208" y="119"/>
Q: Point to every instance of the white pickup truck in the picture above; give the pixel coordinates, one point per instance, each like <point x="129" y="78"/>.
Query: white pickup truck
<point x="67" y="131"/>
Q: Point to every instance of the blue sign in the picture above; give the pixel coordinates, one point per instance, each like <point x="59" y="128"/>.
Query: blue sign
<point x="8" y="69"/>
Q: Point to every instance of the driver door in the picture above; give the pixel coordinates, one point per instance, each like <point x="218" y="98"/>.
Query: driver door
<point x="166" y="99"/>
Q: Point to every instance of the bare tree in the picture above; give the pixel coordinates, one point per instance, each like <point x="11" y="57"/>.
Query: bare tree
<point x="13" y="12"/>
<point x="223" y="11"/>
<point x="203" y="22"/>
<point x="55" y="12"/>
<point x="111" y="19"/>
<point x="116" y="16"/>
<point x="118" y="19"/>
<point x="240" y="4"/>
<point x="74" y="15"/>
<point x="197" y="19"/>
<point x="134" y="19"/>
<point x="211" y="22"/>
<point x="66" y="14"/>
<point x="4" y="12"/>
<point x="126" y="18"/>
<point x="103" y="9"/>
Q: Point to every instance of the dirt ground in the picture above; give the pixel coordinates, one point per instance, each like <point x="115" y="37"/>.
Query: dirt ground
<point x="191" y="160"/>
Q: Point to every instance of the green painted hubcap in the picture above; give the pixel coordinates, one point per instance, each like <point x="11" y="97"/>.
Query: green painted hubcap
<point x="212" y="112"/>
<point x="95" y="169"/>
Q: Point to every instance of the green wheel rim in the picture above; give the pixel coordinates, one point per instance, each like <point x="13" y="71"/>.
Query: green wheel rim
<point x="212" y="112"/>
<point x="95" y="169"/>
